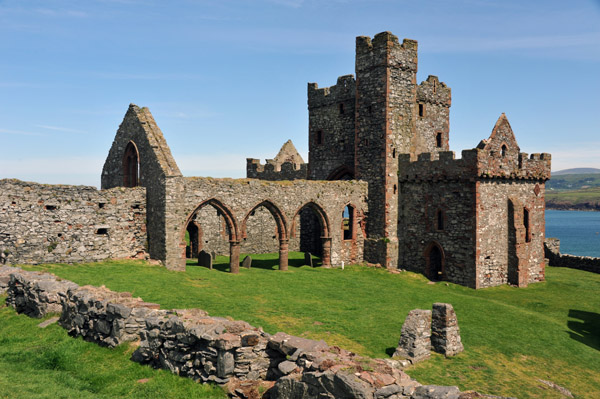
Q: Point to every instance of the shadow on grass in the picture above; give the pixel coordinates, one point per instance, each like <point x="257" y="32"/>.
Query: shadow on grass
<point x="586" y="329"/>
<point x="221" y="263"/>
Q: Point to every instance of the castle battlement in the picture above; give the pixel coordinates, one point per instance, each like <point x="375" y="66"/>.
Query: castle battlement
<point x="434" y="92"/>
<point x="437" y="166"/>
<point x="385" y="50"/>
<point x="343" y="90"/>
<point x="475" y="163"/>
<point x="287" y="165"/>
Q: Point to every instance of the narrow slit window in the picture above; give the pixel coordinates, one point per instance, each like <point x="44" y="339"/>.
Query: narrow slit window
<point x="504" y="148"/>
<point x="341" y="108"/>
<point x="319" y="137"/>
<point x="421" y="110"/>
<point x="438" y="140"/>
<point x="102" y="231"/>
<point x="526" y="225"/>
<point x="440" y="219"/>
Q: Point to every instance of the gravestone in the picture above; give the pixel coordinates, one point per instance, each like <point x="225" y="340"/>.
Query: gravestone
<point x="415" y="337"/>
<point x="445" y="334"/>
<point x="247" y="262"/>
<point x="308" y="260"/>
<point x="204" y="259"/>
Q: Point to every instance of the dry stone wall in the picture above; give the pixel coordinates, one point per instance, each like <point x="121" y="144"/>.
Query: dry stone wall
<point x="36" y="294"/>
<point x="68" y="224"/>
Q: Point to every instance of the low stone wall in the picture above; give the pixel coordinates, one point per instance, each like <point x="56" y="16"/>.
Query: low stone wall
<point x="555" y="258"/>
<point x="36" y="294"/>
<point x="106" y="317"/>
<point x="214" y="349"/>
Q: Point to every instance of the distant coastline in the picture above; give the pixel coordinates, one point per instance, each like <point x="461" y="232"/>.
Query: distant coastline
<point x="563" y="206"/>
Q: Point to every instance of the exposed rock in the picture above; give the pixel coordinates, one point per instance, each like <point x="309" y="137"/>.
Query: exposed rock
<point x="445" y="334"/>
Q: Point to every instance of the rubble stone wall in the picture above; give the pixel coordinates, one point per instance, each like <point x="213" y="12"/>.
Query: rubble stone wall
<point x="42" y="223"/>
<point x="555" y="258"/>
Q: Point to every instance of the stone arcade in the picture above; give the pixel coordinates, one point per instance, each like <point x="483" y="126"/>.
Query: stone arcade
<point x="380" y="186"/>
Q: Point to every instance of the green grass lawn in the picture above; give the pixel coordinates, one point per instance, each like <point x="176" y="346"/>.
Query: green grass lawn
<point x="512" y="336"/>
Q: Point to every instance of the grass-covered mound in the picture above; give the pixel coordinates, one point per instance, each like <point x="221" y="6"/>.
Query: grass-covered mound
<point x="512" y="336"/>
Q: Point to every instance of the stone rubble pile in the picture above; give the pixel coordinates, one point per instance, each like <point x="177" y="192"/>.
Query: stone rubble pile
<point x="35" y="293"/>
<point x="232" y="353"/>
<point x="106" y="317"/>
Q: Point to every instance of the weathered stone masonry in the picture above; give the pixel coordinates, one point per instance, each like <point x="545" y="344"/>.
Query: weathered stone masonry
<point x="42" y="223"/>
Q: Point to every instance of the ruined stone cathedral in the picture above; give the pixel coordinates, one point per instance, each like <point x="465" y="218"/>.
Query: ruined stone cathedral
<point x="380" y="186"/>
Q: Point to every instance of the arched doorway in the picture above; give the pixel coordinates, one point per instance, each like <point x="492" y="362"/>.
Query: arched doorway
<point x="280" y="232"/>
<point x="434" y="262"/>
<point x="231" y="229"/>
<point x="131" y="166"/>
<point x="315" y="231"/>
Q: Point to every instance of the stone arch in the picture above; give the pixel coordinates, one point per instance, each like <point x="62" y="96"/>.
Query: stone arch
<point x="342" y="172"/>
<point x="280" y="222"/>
<point x="131" y="165"/>
<point x="279" y="217"/>
<point x="324" y="226"/>
<point x="232" y="225"/>
<point x="435" y="261"/>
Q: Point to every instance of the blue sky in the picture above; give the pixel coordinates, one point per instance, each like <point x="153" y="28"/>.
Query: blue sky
<point x="226" y="79"/>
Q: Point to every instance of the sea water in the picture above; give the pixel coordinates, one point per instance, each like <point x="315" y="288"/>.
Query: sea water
<point x="578" y="231"/>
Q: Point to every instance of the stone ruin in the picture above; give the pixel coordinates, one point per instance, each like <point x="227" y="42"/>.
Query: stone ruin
<point x="231" y="353"/>
<point x="380" y="186"/>
<point x="426" y="330"/>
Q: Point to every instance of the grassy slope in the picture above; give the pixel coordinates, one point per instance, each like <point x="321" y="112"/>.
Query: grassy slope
<point x="573" y="190"/>
<point x="512" y="336"/>
<point x="47" y="363"/>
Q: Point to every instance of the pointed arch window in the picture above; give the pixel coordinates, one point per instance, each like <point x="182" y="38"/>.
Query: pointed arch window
<point x="504" y="148"/>
<point x="131" y="166"/>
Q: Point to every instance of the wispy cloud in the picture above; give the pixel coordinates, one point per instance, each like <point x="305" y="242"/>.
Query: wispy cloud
<point x="60" y="129"/>
<point x="145" y="76"/>
<point x="288" y="3"/>
<point x="61" y="13"/>
<point x="19" y="132"/>
<point x="469" y="44"/>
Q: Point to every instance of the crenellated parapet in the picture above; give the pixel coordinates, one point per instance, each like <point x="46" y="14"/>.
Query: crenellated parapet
<point x="499" y="156"/>
<point x="474" y="164"/>
<point x="287" y="165"/>
<point x="343" y="91"/>
<point x="436" y="167"/>
<point x="385" y="50"/>
<point x="433" y="91"/>
<point x="273" y="170"/>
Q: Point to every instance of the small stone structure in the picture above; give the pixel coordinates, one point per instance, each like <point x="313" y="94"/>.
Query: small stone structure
<point x="555" y="258"/>
<point x="214" y="349"/>
<point x="445" y="334"/>
<point x="415" y="337"/>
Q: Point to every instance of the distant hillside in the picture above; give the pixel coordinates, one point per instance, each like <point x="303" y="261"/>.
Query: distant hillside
<point x="577" y="191"/>
<point x="575" y="171"/>
<point x="573" y="181"/>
